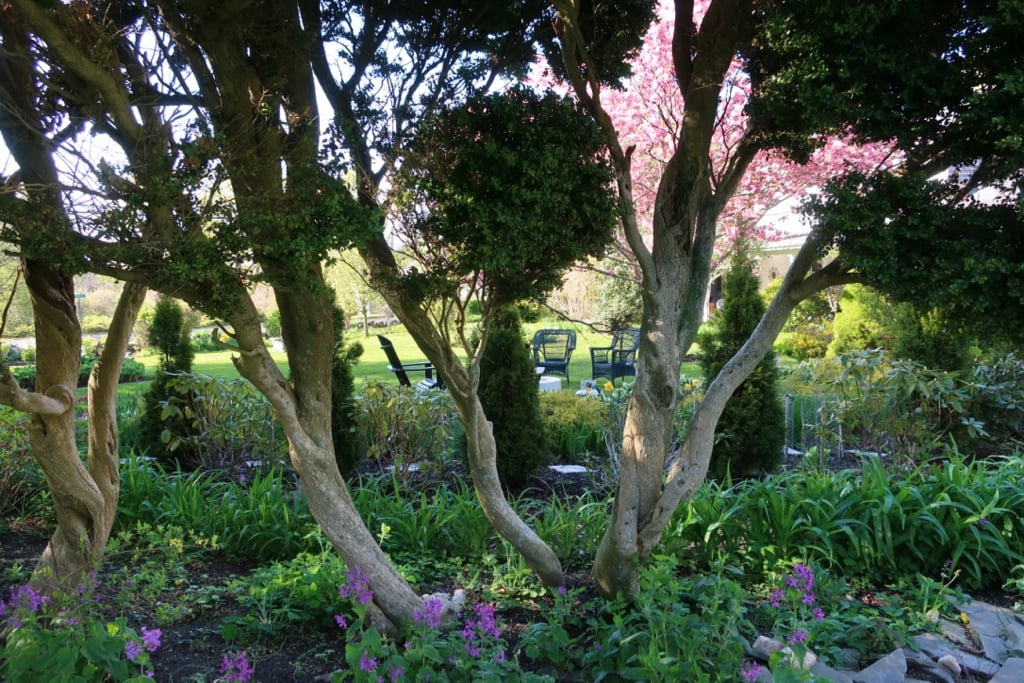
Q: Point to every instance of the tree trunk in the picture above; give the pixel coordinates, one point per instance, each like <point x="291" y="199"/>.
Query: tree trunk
<point x="482" y="452"/>
<point x="104" y="453"/>
<point x="303" y="407"/>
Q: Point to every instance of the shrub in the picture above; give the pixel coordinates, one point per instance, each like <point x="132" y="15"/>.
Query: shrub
<point x="343" y="411"/>
<point x="272" y="325"/>
<point x="400" y="426"/>
<point x="224" y="424"/>
<point x="29" y="354"/>
<point x="95" y="323"/>
<point x="508" y="393"/>
<point x="572" y="428"/>
<point x="165" y="425"/>
<point x="21" y="480"/>
<point x="998" y="401"/>
<point x="751" y="430"/>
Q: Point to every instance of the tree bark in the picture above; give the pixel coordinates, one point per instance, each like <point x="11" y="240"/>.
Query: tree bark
<point x="304" y="413"/>
<point x="482" y="451"/>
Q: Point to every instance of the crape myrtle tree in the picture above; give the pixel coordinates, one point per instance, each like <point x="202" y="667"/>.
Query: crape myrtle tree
<point x="33" y="215"/>
<point x="219" y="170"/>
<point x="816" y="70"/>
<point x="647" y="114"/>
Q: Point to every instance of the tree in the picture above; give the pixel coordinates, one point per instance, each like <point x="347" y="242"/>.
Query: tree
<point x="159" y="215"/>
<point x="33" y="216"/>
<point x="812" y="74"/>
<point x="752" y="428"/>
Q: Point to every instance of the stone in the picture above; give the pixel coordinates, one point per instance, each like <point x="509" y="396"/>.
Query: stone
<point x="823" y="671"/>
<point x="1012" y="671"/>
<point x="998" y="628"/>
<point x="949" y="662"/>
<point x="918" y="662"/>
<point x="892" y="667"/>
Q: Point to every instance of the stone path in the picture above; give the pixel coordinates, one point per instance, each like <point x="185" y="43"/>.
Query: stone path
<point x="987" y="647"/>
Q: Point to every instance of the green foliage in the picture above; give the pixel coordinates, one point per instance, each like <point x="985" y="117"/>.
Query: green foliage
<point x="868" y="320"/>
<point x="859" y="324"/>
<point x="612" y="35"/>
<point x="221" y="424"/>
<point x="573" y="429"/>
<point x="272" y="325"/>
<point x="808" y="331"/>
<point x="21" y="479"/>
<point x="285" y="596"/>
<point x="898" y="407"/>
<point x="402" y="427"/>
<point x="750" y="433"/>
<point x="256" y="516"/>
<point x="509" y="396"/>
<point x="343" y="410"/>
<point x="65" y="639"/>
<point x="619" y="297"/>
<point x="872" y="523"/>
<point x="94" y="324"/>
<point x="165" y="429"/>
<point x="690" y="632"/>
<point x="131" y="371"/>
<point x="516" y="189"/>
<point x="472" y="649"/>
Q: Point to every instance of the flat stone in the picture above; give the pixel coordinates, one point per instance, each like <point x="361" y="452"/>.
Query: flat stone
<point x="1000" y="632"/>
<point x="920" y="663"/>
<point x="1012" y="671"/>
<point x="892" y="667"/>
<point x="824" y="671"/>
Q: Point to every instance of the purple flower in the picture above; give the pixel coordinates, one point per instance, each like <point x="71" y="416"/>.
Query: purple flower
<point x="750" y="671"/>
<point x="808" y="598"/>
<point x="28" y="597"/>
<point x="776" y="597"/>
<point x="983" y="521"/>
<point x="235" y="668"/>
<point x="396" y="674"/>
<point x="340" y="621"/>
<point x="798" y="637"/>
<point x="804" y="576"/>
<point x="819" y="614"/>
<point x="429" y="613"/>
<point x="132" y="650"/>
<point x="358" y="586"/>
<point x="151" y="638"/>
<point x="472" y="650"/>
<point x="485" y="621"/>
<point x="367" y="663"/>
<point x="562" y="590"/>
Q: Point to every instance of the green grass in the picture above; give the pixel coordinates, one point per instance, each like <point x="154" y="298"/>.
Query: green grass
<point x="374" y="366"/>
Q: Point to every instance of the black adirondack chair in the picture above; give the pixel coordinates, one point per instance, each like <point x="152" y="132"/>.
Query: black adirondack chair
<point x="552" y="350"/>
<point x="399" y="368"/>
<point x="618" y="359"/>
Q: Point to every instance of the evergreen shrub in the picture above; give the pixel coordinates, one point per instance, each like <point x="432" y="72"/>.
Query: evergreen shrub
<point x="509" y="395"/>
<point x="751" y="431"/>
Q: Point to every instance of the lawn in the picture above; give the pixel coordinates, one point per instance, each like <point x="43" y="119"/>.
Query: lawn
<point x="373" y="365"/>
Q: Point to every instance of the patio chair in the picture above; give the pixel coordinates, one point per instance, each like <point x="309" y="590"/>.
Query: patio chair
<point x="399" y="368"/>
<point x="619" y="358"/>
<point x="552" y="350"/>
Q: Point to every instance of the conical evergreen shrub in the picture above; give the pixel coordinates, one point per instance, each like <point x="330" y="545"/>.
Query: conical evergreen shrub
<point x="508" y="392"/>
<point x="751" y="432"/>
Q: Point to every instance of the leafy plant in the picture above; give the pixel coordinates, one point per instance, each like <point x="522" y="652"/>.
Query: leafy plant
<point x="405" y="428"/>
<point x="64" y="638"/>
<point x="751" y="430"/>
<point x="681" y="628"/>
<point x="21" y="480"/>
<point x="573" y="429"/>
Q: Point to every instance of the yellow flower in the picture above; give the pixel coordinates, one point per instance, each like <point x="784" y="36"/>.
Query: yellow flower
<point x="608" y="386"/>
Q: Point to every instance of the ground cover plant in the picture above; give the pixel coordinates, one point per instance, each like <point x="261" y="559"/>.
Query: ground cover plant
<point x="224" y="575"/>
